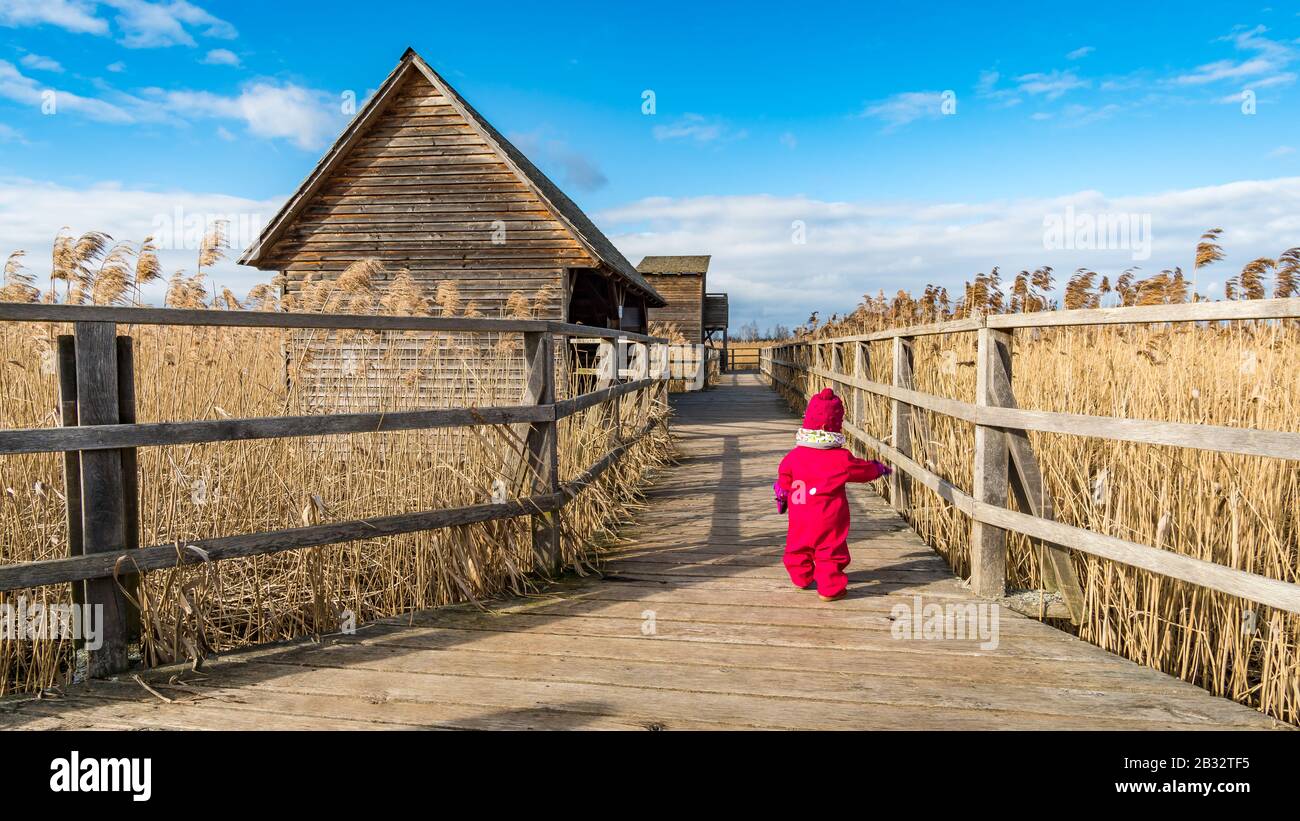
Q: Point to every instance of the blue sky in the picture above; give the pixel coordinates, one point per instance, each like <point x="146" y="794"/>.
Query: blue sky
<point x="831" y="116"/>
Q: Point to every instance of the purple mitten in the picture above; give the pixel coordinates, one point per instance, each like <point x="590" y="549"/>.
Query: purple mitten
<point x="885" y="469"/>
<point x="782" y="497"/>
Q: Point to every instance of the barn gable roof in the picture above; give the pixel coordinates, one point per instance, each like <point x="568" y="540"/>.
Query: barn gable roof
<point x="564" y="209"/>
<point x="674" y="265"/>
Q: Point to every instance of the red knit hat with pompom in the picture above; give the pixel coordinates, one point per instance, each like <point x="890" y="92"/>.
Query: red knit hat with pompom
<point x="825" y="412"/>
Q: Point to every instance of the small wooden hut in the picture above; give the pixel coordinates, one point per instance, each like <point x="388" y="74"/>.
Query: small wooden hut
<point x="681" y="280"/>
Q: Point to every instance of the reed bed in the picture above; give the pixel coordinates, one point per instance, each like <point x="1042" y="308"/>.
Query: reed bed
<point x="1238" y="511"/>
<point x="208" y="490"/>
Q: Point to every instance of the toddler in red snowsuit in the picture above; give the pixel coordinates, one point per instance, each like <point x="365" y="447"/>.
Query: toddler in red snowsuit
<point x="811" y="484"/>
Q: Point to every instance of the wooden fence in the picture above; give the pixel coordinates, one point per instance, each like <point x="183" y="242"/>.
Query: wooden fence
<point x="100" y="436"/>
<point x="741" y="358"/>
<point x="1003" y="461"/>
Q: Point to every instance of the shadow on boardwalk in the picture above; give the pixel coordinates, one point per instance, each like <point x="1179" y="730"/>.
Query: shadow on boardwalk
<point x="693" y="624"/>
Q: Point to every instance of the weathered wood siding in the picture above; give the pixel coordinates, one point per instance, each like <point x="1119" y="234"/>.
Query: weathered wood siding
<point x="422" y="190"/>
<point x="715" y="312"/>
<point x="685" y="296"/>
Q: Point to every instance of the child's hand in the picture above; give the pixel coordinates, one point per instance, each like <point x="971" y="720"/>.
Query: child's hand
<point x="782" y="497"/>
<point x="884" y="469"/>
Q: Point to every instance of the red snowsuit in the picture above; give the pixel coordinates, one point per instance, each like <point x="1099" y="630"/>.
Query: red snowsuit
<point x="816" y="547"/>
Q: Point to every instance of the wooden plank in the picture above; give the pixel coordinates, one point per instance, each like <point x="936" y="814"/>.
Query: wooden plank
<point x="988" y="545"/>
<point x="152" y="434"/>
<point x="1185" y="312"/>
<point x="489" y="634"/>
<point x="649" y="702"/>
<point x="1224" y="311"/>
<point x="849" y="689"/>
<point x="100" y="566"/>
<point x="102" y="501"/>
<point x="900" y="422"/>
<point x="130" y="582"/>
<point x="1249" y="586"/>
<point x="41" y="312"/>
<point x="861" y="370"/>
<point x="542" y="443"/>
<point x="67" y="358"/>
<point x="568" y="407"/>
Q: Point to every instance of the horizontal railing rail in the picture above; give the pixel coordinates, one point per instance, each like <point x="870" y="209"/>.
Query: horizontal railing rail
<point x="1220" y="438"/>
<point x="100" y="438"/>
<point x="998" y="423"/>
<point x="41" y="312"/>
<point x="1288" y="308"/>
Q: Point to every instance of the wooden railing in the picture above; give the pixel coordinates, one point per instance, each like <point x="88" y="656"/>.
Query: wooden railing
<point x="743" y="358"/>
<point x="100" y="436"/>
<point x="1003" y="460"/>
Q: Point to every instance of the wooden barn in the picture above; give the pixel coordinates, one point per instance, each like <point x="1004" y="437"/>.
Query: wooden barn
<point x="694" y="312"/>
<point x="421" y="181"/>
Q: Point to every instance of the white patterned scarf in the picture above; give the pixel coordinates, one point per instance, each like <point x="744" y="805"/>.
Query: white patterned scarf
<point x="820" y="439"/>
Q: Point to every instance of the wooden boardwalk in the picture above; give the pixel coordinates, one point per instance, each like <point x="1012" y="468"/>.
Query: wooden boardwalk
<point x="692" y="626"/>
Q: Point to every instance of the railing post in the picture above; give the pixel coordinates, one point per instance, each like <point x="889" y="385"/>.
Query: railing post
<point x="67" y="358"/>
<point x="900" y="421"/>
<point x="543" y="444"/>
<point x="988" y="544"/>
<point x="608" y="373"/>
<point x="638" y="369"/>
<point x="861" y="370"/>
<point x="103" y="502"/>
<point x="836" y="366"/>
<point x="660" y="372"/>
<point x="130" y="477"/>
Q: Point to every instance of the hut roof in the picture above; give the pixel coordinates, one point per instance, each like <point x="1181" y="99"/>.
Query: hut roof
<point x="556" y="200"/>
<point x="674" y="265"/>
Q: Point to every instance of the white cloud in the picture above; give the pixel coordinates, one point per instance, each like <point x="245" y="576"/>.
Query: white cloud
<point x="697" y="128"/>
<point x="302" y="116"/>
<point x="789" y="140"/>
<point x="140" y="23"/>
<point x="116" y="68"/>
<point x="1080" y="53"/>
<point x="14" y="85"/>
<point x="987" y="87"/>
<point x="1084" y="114"/>
<point x="31" y="214"/>
<point x="9" y="134"/>
<point x="1264" y="68"/>
<point x="76" y="16"/>
<point x="1051" y="84"/>
<point x="907" y="107"/>
<point x="1282" y="151"/>
<point x="39" y="63"/>
<point x="155" y="25"/>
<point x="854" y="248"/>
<point x="221" y="57"/>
